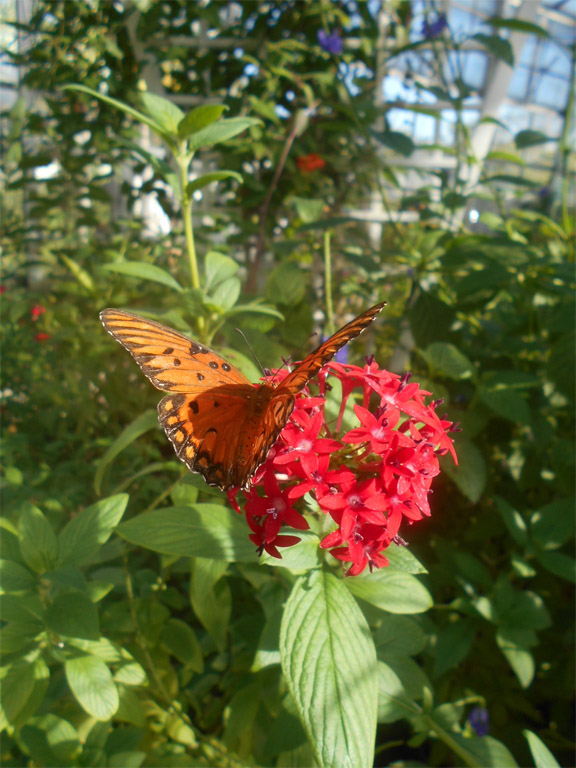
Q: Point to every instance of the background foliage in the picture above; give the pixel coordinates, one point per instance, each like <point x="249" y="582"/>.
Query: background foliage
<point x="126" y="650"/>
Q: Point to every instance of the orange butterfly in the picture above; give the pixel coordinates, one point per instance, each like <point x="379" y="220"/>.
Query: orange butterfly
<point x="219" y="423"/>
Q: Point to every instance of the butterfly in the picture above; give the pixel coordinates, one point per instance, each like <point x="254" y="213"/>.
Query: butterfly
<point x="220" y="424"/>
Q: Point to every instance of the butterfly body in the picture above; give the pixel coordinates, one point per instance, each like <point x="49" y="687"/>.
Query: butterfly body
<point x="220" y="424"/>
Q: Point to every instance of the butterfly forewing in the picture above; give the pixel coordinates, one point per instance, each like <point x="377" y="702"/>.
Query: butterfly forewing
<point x="169" y="359"/>
<point x="311" y="364"/>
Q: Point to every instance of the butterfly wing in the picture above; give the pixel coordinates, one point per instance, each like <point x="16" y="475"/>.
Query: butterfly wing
<point x="224" y="433"/>
<point x="301" y="375"/>
<point x="169" y="359"/>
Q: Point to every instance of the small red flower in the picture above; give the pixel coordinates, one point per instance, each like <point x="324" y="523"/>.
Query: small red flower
<point x="36" y="311"/>
<point x="42" y="336"/>
<point x="3" y="289"/>
<point x="370" y="480"/>
<point x="309" y="163"/>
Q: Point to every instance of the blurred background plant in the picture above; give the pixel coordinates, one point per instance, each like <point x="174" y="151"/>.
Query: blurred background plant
<point x="413" y="151"/>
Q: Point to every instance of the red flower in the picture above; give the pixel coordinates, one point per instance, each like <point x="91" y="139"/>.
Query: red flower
<point x="309" y="163"/>
<point x="3" y="289"/>
<point x="42" y="336"/>
<point x="36" y="311"/>
<point x="370" y="480"/>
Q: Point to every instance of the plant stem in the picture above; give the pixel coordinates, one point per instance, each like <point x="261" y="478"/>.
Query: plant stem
<point x="188" y="229"/>
<point x="328" y="283"/>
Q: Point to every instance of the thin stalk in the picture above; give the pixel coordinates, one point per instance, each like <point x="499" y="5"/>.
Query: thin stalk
<point x="328" y="283"/>
<point x="565" y="153"/>
<point x="188" y="229"/>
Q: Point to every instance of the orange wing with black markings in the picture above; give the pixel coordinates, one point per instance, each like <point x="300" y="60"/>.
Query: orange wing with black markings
<point x="220" y="424"/>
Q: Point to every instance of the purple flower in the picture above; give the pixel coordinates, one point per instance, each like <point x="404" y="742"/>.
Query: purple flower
<point x="331" y="43"/>
<point x="479" y="719"/>
<point x="431" y="29"/>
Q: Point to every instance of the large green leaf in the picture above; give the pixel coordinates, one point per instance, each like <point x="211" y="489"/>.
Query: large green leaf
<point x="82" y="537"/>
<point x="211" y="597"/>
<point x="543" y="758"/>
<point x="91" y="683"/>
<point x="329" y="663"/>
<point x="163" y="111"/>
<point x="38" y="542"/>
<point x="200" y="530"/>
<point x="51" y="741"/>
<point x="199" y="118"/>
<point x="220" y="131"/>
<point x="392" y="591"/>
<point x="14" y="577"/>
<point x="144" y="271"/>
<point x="23" y="687"/>
<point x="73" y="614"/>
<point x="471" y="473"/>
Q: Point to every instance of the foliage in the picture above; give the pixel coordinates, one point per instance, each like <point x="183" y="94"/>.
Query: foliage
<point x="139" y="626"/>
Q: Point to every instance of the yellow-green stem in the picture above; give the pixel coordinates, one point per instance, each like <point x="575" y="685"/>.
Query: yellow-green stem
<point x="188" y="228"/>
<point x="328" y="283"/>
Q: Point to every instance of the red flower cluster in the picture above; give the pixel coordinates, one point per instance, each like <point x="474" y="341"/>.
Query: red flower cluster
<point x="369" y="480"/>
<point x="309" y="163"/>
<point x="36" y="311"/>
<point x="42" y="337"/>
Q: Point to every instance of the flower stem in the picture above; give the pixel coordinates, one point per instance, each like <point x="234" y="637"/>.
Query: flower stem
<point x="188" y="229"/>
<point x="328" y="283"/>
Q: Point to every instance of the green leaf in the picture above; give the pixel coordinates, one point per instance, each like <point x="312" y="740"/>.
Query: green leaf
<point x="481" y="752"/>
<point x="181" y="642"/>
<point x="553" y="525"/>
<point x="91" y="683"/>
<point x="518" y="25"/>
<point x="517" y="654"/>
<point x="74" y="615"/>
<point x="398" y="142"/>
<point x="82" y="537"/>
<point x="51" y="741"/>
<point x="15" y="578"/>
<point x="399" y="635"/>
<point x="211" y="598"/>
<point x="301" y="557"/>
<point x="218" y="268"/>
<point x="401" y="559"/>
<point x="447" y="360"/>
<point x="202" y="181"/>
<point x="392" y="591"/>
<point x="200" y="530"/>
<point x="287" y="283"/>
<point x="559" y="564"/>
<point x="19" y="635"/>
<point x="131" y="673"/>
<point x="513" y="521"/>
<point x="530" y="138"/>
<point x="126" y="759"/>
<point x="38" y="542"/>
<point x="220" y="131"/>
<point x="506" y="403"/>
<point x="497" y="46"/>
<point x="507" y="157"/>
<point x="199" y="118"/>
<point x="308" y="210"/>
<point x="470" y="474"/>
<point x="329" y="663"/>
<point x="140" y="116"/>
<point x="24" y="685"/>
<point x="393" y="703"/>
<point x="506" y="178"/>
<point x="144" y="271"/>
<point x="164" y="112"/>
<point x="453" y="645"/>
<point x="542" y="756"/>
<point x="225" y="294"/>
<point x="141" y="424"/>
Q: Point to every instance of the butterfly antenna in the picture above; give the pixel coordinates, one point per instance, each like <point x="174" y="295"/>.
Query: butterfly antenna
<point x="258" y="363"/>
